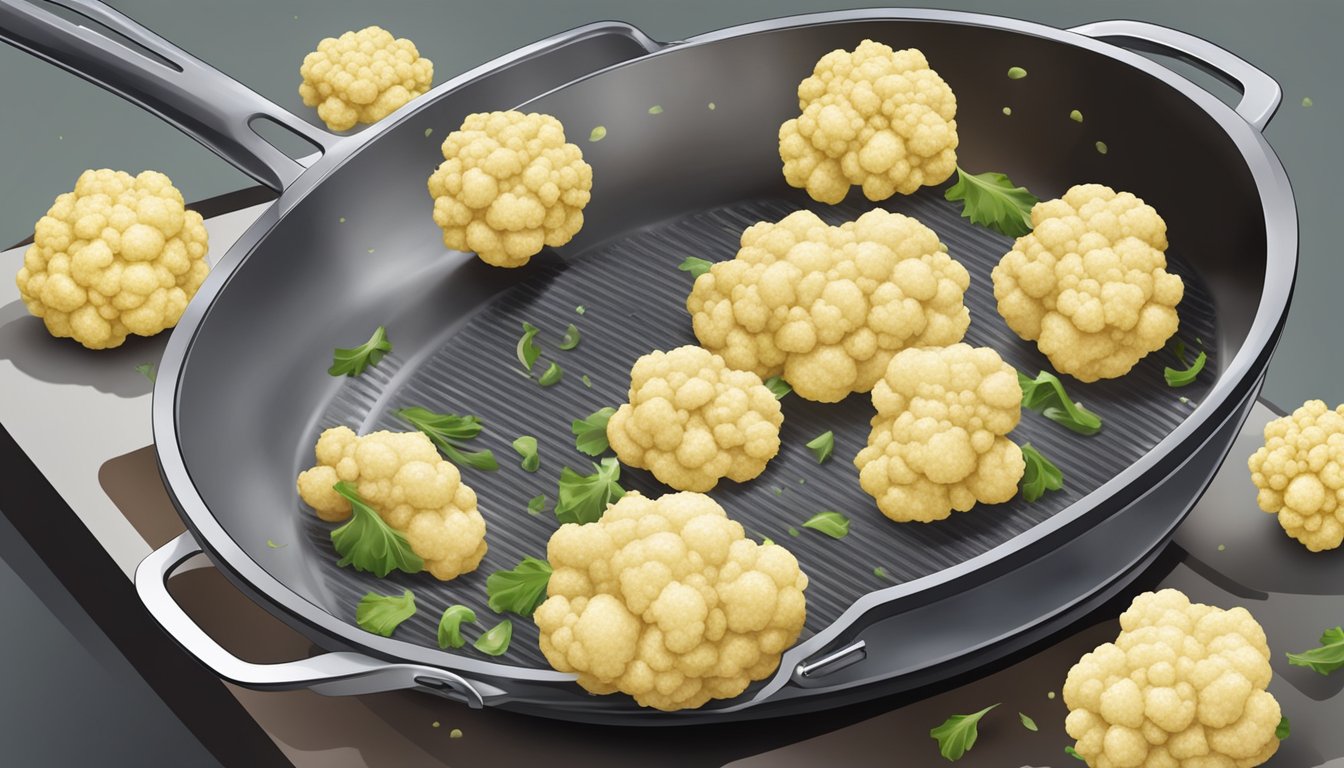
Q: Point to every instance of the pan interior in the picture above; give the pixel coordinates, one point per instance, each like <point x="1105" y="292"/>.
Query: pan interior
<point x="360" y="250"/>
<point x="634" y="302"/>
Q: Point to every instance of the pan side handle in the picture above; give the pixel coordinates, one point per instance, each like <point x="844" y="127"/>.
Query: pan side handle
<point x="151" y="72"/>
<point x="1260" y="93"/>
<point x="341" y="673"/>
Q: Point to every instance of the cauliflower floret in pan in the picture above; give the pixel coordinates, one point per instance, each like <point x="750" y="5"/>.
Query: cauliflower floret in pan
<point x="827" y="307"/>
<point x="937" y="442"/>
<point x="1300" y="474"/>
<point x="665" y="600"/>
<point x="691" y="420"/>
<point x="414" y="490"/>
<point x="362" y="77"/>
<point x="874" y="117"/>
<point x="508" y="185"/>
<point x="1183" y="686"/>
<point x="118" y="255"/>
<point x="1089" y="284"/>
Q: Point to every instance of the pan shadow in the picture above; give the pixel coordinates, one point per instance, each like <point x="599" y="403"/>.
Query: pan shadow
<point x="26" y="343"/>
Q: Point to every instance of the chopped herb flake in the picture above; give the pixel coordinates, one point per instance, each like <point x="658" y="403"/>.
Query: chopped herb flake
<point x="590" y="432"/>
<point x="552" y="376"/>
<point x="456" y="733"/>
<point x="147" y="370"/>
<point x="1041" y="474"/>
<point x="881" y="572"/>
<point x="353" y="361"/>
<point x="1101" y="147"/>
<point x="778" y="386"/>
<point x="1076" y="116"/>
<point x="1185" y="376"/>
<point x="587" y="382"/>
<point x="822" y="446"/>
<point x="571" y="339"/>
<point x="711" y="105"/>
<point x="494" y="642"/>
<point x="1016" y="73"/>
<point x="537" y="504"/>
<point x="832" y="524"/>
<point x="1045" y="394"/>
<point x="1027" y="722"/>
<point x="1306" y="101"/>
<point x="580" y="309"/>
<point x="1008" y="111"/>
<point x="382" y="614"/>
<point x="526" y="446"/>
<point x="695" y="266"/>
<point x="428" y="131"/>
<point x="1073" y="753"/>
<point x="958" y="733"/>
<point x="528" y="351"/>
<point x="599" y="133"/>
<point x="272" y="545"/>
<point x="655" y="110"/>
<point x="1284" y="729"/>
<point x="450" y="627"/>
<point x="793" y="531"/>
<point x="520" y="590"/>
<point x="447" y="431"/>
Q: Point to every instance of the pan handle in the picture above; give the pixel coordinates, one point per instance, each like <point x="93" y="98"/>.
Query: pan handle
<point x="147" y="70"/>
<point x="337" y="674"/>
<point x="1260" y="93"/>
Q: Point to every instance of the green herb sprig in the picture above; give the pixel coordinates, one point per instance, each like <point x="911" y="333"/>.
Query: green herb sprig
<point x="353" y="361"/>
<point x="368" y="543"/>
<point x="447" y="431"/>
<point x="1045" y="394"/>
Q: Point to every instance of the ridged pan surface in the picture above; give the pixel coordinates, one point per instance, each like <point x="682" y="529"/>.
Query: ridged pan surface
<point x="634" y="301"/>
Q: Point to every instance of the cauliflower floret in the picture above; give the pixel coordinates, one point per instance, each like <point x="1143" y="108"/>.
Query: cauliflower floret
<point x="827" y="307"/>
<point x="1300" y="474"/>
<point x="1183" y="686"/>
<point x="414" y="490"/>
<point x="938" y="442"/>
<point x="362" y="77"/>
<point x="118" y="255"/>
<point x="875" y="117"/>
<point x="664" y="599"/>
<point x="1089" y="284"/>
<point x="692" y="420"/>
<point x="509" y="184"/>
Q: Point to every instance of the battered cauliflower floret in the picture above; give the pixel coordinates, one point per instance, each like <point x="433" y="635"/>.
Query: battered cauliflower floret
<point x="118" y="255"/>
<point x="827" y="307"/>
<point x="1300" y="474"/>
<point x="692" y="420"/>
<point x="362" y="77"/>
<point x="1089" y="284"/>
<point x="1183" y="686"/>
<point x="875" y="117"/>
<point x="663" y="599"/>
<point x="508" y="185"/>
<point x="414" y="490"/>
<point x="937" y="442"/>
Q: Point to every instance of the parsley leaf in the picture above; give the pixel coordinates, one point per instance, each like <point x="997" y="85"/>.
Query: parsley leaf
<point x="1180" y="377"/>
<point x="1070" y="751"/>
<point x="496" y="640"/>
<point x="1283" y="730"/>
<point x="537" y="504"/>
<point x="147" y="370"/>
<point x="368" y="543"/>
<point x="992" y="200"/>
<point x="450" y="626"/>
<point x="590" y="433"/>
<point x="1041" y="474"/>
<point x="446" y="430"/>
<point x="353" y="361"/>
<point x="1325" y="659"/>
<point x="528" y="351"/>
<point x="520" y="590"/>
<point x="957" y="734"/>
<point x="584" y="498"/>
<point x="382" y="614"/>
<point x="526" y="446"/>
<point x="572" y="338"/>
<point x="1045" y="394"/>
<point x="778" y="386"/>
<point x="552" y="376"/>
<point x="832" y="524"/>
<point x="1027" y="722"/>
<point x="695" y="266"/>
<point x="822" y="446"/>
<point x="587" y="382"/>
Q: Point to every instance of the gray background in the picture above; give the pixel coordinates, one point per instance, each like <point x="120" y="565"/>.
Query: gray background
<point x="55" y="125"/>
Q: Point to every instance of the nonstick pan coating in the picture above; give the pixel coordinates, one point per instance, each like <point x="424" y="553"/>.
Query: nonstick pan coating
<point x="252" y="393"/>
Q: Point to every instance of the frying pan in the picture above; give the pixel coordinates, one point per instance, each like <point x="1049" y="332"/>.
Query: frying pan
<point x="242" y="392"/>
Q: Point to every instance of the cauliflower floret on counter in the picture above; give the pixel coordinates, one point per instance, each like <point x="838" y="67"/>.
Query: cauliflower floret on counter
<point x="414" y="490"/>
<point x="1300" y="474"/>
<point x="665" y="600"/>
<point x="692" y="420"/>
<point x="120" y="254"/>
<point x="1183" y="686"/>
<point x="362" y="77"/>
<point x="508" y="185"/>
<point x="1089" y="284"/>
<point x="874" y="117"/>
<point x="937" y="442"/>
<point x="827" y="307"/>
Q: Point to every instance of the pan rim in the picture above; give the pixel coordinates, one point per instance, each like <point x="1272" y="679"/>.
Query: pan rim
<point x="1244" y="369"/>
